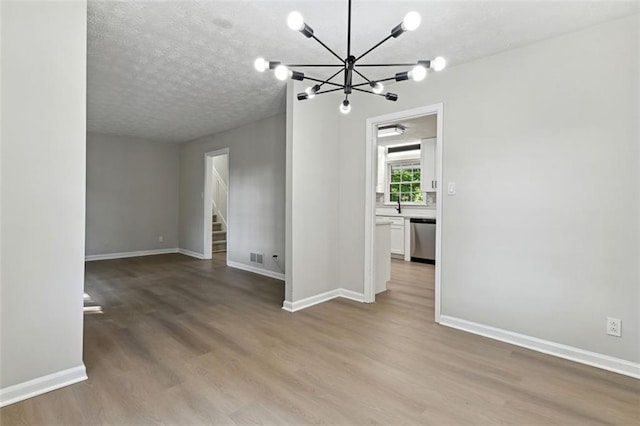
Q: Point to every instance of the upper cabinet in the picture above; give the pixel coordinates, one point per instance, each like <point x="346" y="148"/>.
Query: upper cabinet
<point x="428" y="181"/>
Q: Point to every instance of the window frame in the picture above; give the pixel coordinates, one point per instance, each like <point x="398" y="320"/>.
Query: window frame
<point x="387" y="188"/>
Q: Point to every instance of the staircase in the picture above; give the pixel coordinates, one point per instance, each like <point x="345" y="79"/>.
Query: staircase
<point x="218" y="236"/>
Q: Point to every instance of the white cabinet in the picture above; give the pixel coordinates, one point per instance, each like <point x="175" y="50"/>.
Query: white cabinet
<point x="397" y="239"/>
<point x="397" y="234"/>
<point x="428" y="182"/>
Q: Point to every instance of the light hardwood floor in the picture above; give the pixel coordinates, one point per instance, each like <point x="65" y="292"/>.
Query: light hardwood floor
<point x="184" y="341"/>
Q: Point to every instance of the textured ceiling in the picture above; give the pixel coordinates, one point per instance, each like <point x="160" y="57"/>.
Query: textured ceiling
<point x="175" y="71"/>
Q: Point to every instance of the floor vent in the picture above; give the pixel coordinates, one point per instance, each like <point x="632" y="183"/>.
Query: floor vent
<point x="256" y="258"/>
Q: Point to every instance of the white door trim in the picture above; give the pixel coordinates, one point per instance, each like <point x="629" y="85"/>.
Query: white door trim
<point x="370" y="202"/>
<point x="208" y="199"/>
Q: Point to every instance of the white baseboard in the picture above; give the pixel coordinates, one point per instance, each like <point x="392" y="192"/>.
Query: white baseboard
<point x="192" y="254"/>
<point x="352" y="295"/>
<point x="571" y="353"/>
<point x="320" y="298"/>
<point x="108" y="256"/>
<point x="40" y="385"/>
<point x="259" y="271"/>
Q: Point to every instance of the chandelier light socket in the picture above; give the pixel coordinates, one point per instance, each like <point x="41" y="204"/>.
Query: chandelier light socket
<point x="402" y="76"/>
<point x="410" y="22"/>
<point x="295" y="21"/>
<point x="296" y="75"/>
<point x="391" y="97"/>
<point x="302" y="96"/>
<point x="397" y="30"/>
<point x="376" y="87"/>
<point x="307" y="31"/>
<point x="345" y="107"/>
<point x="311" y="91"/>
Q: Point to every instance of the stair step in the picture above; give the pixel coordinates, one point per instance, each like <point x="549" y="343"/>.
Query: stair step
<point x="219" y="242"/>
<point x="219" y="251"/>
<point x="219" y="232"/>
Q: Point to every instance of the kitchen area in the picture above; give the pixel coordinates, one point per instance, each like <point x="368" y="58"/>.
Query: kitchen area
<point x="406" y="189"/>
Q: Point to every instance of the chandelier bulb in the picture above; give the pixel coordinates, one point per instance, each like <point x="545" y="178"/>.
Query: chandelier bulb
<point x="295" y="21"/>
<point x="438" y="63"/>
<point x="345" y="107"/>
<point x="261" y="65"/>
<point x="376" y="87"/>
<point x="411" y="21"/>
<point x="282" y="72"/>
<point x="311" y="93"/>
<point x="418" y="73"/>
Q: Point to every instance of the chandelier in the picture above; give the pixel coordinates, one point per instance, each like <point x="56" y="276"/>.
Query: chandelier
<point x="350" y="66"/>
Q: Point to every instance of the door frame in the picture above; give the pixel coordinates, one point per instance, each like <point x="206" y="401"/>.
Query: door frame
<point x="208" y="199"/>
<point x="370" y="200"/>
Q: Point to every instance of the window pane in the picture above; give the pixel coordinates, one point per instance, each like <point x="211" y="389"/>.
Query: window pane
<point x="415" y="187"/>
<point x="407" y="176"/>
<point x="396" y="174"/>
<point x="393" y="197"/>
<point x="416" y="175"/>
<point x="394" y="188"/>
<point x="405" y="187"/>
<point x="418" y="197"/>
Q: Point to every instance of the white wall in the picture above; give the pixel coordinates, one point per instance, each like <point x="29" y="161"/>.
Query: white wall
<point x="256" y="191"/>
<point x="221" y="164"/>
<point x="313" y="190"/>
<point x="132" y="194"/>
<point x="543" y="236"/>
<point x="43" y="190"/>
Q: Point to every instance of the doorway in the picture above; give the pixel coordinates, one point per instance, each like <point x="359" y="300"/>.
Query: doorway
<point x="216" y="204"/>
<point x="390" y="199"/>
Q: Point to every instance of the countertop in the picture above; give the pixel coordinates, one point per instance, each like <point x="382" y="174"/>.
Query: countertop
<point x="409" y="215"/>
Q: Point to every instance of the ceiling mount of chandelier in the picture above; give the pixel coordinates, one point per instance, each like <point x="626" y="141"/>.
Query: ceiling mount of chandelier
<point x="349" y="66"/>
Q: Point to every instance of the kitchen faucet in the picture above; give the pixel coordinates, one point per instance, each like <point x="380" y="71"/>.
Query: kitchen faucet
<point x="399" y="208"/>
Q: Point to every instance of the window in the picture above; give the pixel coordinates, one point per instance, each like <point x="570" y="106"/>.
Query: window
<point x="404" y="182"/>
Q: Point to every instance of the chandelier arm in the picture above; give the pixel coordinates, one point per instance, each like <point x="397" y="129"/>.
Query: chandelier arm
<point x="329" y="91"/>
<point x="367" y="91"/>
<point x="313" y="65"/>
<point x="377" y="81"/>
<point x="386" y="65"/>
<point x="361" y="75"/>
<point x="325" y="81"/>
<point x="368" y="51"/>
<point x="327" y="47"/>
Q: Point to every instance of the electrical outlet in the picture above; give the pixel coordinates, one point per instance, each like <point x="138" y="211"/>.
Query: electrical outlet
<point x="275" y="255"/>
<point x="160" y="239"/>
<point x="614" y="327"/>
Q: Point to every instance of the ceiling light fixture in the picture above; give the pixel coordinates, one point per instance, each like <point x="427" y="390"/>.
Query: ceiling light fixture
<point x="349" y="66"/>
<point x="395" y="130"/>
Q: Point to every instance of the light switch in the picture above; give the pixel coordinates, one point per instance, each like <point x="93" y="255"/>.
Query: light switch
<point x="451" y="188"/>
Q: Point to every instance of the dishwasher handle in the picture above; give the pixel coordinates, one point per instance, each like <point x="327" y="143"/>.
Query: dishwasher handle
<point x="419" y="220"/>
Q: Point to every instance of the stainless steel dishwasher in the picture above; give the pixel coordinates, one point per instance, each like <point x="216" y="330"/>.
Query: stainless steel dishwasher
<point x="423" y="240"/>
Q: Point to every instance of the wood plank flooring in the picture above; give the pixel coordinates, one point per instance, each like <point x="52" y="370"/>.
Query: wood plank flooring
<point x="184" y="341"/>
